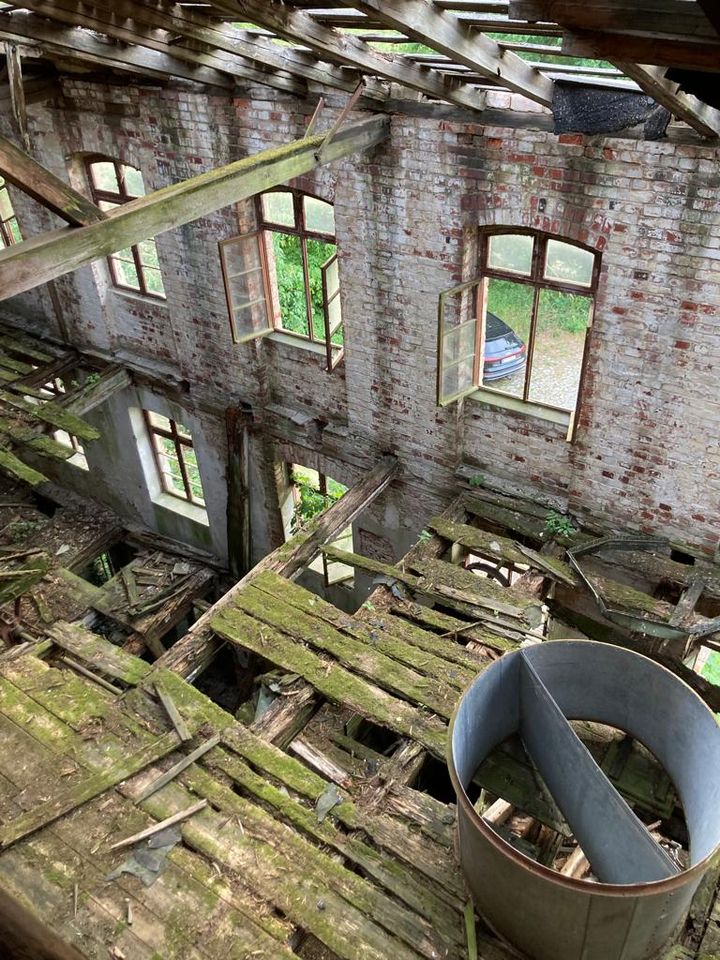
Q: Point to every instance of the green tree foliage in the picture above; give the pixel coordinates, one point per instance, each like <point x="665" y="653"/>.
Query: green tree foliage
<point x="291" y="282"/>
<point x="311" y="501"/>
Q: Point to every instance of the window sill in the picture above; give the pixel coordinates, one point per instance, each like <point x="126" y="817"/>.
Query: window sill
<point x="492" y="399"/>
<point x="189" y="510"/>
<point x="279" y="336"/>
<point x="138" y="297"/>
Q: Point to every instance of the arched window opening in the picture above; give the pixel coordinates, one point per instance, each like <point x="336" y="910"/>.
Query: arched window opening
<point x="284" y="275"/>
<point x="519" y="330"/>
<point x="136" y="268"/>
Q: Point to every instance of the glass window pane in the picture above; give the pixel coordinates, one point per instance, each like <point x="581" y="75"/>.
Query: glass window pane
<point x="457" y="349"/>
<point x="318" y="253"/>
<point x="569" y="264"/>
<point x="104" y="176"/>
<point x="148" y="253"/>
<point x="278" y="208"/>
<point x="125" y="273"/>
<point x="153" y="281"/>
<point x="158" y="420"/>
<point x="242" y="267"/>
<point x="290" y="277"/>
<point x="511" y="251"/>
<point x="15" y="231"/>
<point x="319" y="216"/>
<point x="6" y="209"/>
<point x="507" y="329"/>
<point x="134" y="185"/>
<point x="107" y="205"/>
<point x="559" y="344"/>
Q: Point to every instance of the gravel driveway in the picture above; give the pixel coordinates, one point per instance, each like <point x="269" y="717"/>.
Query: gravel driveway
<point x="556" y="370"/>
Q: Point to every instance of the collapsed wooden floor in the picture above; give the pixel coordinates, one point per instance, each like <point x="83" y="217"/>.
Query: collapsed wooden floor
<point x="327" y="825"/>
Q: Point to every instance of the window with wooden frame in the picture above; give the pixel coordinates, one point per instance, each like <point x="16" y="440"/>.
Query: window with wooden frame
<point x="175" y="458"/>
<point x="284" y="275"/>
<point x="519" y="330"/>
<point x="9" y="229"/>
<point x="136" y="268"/>
<point x="310" y="493"/>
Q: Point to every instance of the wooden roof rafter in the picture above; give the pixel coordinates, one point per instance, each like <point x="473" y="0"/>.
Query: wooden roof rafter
<point x="298" y="26"/>
<point x="442" y="31"/>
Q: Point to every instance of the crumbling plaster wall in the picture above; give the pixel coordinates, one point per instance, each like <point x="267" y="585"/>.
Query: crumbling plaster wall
<point x="646" y="450"/>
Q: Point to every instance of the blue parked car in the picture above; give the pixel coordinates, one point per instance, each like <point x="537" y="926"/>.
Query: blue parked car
<point x="505" y="352"/>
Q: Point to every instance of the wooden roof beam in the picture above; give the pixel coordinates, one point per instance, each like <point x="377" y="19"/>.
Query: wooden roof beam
<point x="442" y="31"/>
<point x="296" y="25"/>
<point x="257" y="58"/>
<point x="687" y="55"/>
<point x="50" y="255"/>
<point x="25" y="173"/>
<point x="711" y="9"/>
<point x="700" y="116"/>
<point x="80" y="45"/>
<point x="665" y="18"/>
<point x="99" y="18"/>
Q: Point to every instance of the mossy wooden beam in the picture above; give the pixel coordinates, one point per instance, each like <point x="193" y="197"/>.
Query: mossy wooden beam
<point x="93" y="393"/>
<point x="424" y="652"/>
<point x="18" y="470"/>
<point x="25" y="173"/>
<point x="287" y="560"/>
<point x="436" y="620"/>
<point x="419" y="932"/>
<point x="50" y="255"/>
<point x="332" y="680"/>
<point x="98" y="652"/>
<point x="54" y="415"/>
<point x="368" y="660"/>
<point x="68" y="799"/>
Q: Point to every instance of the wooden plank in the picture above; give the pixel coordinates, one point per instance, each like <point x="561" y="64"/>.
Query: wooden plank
<point x="98" y="652"/>
<point x="330" y="679"/>
<point x="93" y="393"/>
<point x="51" y="413"/>
<point x="425" y="652"/>
<point x="422" y="22"/>
<point x="181" y="728"/>
<point x="712" y="11"/>
<point x="178" y="768"/>
<point x="666" y="18"/>
<point x="398" y="879"/>
<point x="296" y="25"/>
<point x="99" y="19"/>
<point x="13" y="66"/>
<point x="287" y="870"/>
<point x="68" y="799"/>
<point x="67" y="42"/>
<point x="25" y="173"/>
<point x="364" y="659"/>
<point x="58" y="252"/>
<point x="686" y="54"/>
<point x="287" y="560"/>
<point x="700" y="116"/>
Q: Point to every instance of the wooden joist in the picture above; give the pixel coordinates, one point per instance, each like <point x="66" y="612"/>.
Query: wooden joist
<point x="630" y="48"/>
<point x="20" y="169"/>
<point x="651" y="79"/>
<point x="58" y="252"/>
<point x="422" y="22"/>
<point x="100" y="19"/>
<point x="665" y="18"/>
<point x="54" y="42"/>
<point x="296" y="25"/>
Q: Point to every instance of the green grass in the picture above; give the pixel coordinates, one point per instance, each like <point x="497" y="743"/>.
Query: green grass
<point x="512" y="302"/>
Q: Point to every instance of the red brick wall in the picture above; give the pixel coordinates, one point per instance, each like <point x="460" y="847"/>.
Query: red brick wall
<point x="646" y="451"/>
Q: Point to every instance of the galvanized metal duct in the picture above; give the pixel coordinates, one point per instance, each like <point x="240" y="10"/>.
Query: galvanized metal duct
<point x="642" y="898"/>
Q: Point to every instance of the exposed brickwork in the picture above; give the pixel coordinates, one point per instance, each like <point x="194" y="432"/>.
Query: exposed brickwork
<point x="646" y="453"/>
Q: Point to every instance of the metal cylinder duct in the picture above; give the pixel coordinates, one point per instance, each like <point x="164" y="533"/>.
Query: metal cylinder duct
<point x="642" y="896"/>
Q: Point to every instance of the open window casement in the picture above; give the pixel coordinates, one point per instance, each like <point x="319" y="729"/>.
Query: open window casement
<point x="460" y="346"/>
<point x="332" y="310"/>
<point x="245" y="276"/>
